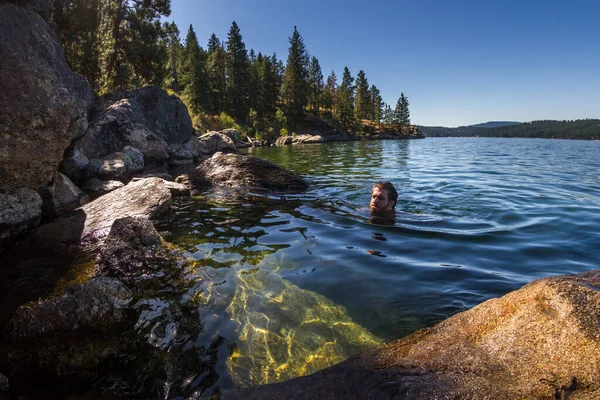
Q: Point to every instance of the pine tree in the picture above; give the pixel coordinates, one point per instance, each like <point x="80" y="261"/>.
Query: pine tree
<point x="272" y="82"/>
<point x="174" y="50"/>
<point x="315" y="78"/>
<point x="129" y="48"/>
<point x="330" y="92"/>
<point x="193" y="77"/>
<point x="388" y="115"/>
<point x="78" y="27"/>
<point x="376" y="105"/>
<point x="345" y="99"/>
<point x="362" y="96"/>
<point x="295" y="85"/>
<point x="237" y="74"/>
<point x="404" y="117"/>
<point x="216" y="71"/>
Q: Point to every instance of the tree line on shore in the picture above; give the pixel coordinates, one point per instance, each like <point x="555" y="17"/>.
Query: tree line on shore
<point x="122" y="45"/>
<point x="582" y="129"/>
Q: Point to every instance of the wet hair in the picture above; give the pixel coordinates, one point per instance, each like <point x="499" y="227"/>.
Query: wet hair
<point x="389" y="188"/>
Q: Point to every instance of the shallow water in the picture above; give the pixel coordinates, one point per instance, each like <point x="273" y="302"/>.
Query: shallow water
<point x="285" y="284"/>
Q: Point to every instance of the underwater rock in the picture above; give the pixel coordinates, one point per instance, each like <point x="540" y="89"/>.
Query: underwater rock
<point x="134" y="251"/>
<point x="89" y="225"/>
<point x="95" y="305"/>
<point x="59" y="343"/>
<point x="239" y="170"/>
<point x="540" y="341"/>
<point x="286" y="331"/>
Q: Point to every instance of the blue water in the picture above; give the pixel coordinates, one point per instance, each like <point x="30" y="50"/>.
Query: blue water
<point x="476" y="218"/>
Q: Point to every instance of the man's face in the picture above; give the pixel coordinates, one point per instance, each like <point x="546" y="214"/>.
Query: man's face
<point x="380" y="202"/>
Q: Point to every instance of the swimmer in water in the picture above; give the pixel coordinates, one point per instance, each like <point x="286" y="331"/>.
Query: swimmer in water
<point x="383" y="199"/>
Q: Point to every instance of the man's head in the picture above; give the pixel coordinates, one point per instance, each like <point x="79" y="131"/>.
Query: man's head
<point x="383" y="197"/>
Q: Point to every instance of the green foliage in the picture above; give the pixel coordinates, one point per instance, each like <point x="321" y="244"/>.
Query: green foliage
<point x="227" y="122"/>
<point x="376" y="105"/>
<point x="216" y="69"/>
<point x="345" y="99"/>
<point x="238" y="75"/>
<point x="78" y="27"/>
<point x="122" y="44"/>
<point x="295" y="85"/>
<point x="363" y="97"/>
<point x="280" y="121"/>
<point x="283" y="132"/>
<point x="315" y="85"/>
<point x="193" y="75"/>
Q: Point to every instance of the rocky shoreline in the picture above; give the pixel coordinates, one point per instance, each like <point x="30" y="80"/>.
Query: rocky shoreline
<point x="81" y="175"/>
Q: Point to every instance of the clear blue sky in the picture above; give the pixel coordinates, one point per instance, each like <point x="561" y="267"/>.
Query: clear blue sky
<point x="459" y="62"/>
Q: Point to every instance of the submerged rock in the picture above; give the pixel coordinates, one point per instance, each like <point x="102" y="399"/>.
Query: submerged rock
<point x="134" y="251"/>
<point x="540" y="341"/>
<point x="239" y="170"/>
<point x="285" y="331"/>
<point x="95" y="305"/>
<point x="59" y="343"/>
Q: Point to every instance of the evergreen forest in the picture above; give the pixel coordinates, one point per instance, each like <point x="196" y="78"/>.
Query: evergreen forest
<point x="123" y="45"/>
<point x="582" y="129"/>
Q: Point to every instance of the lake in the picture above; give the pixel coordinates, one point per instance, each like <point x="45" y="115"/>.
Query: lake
<point x="277" y="285"/>
<point x="281" y="273"/>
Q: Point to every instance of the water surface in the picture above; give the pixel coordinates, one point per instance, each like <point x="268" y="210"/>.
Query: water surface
<point x="476" y="218"/>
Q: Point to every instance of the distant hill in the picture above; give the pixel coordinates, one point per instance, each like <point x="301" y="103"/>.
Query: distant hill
<point x="493" y="124"/>
<point x="586" y="129"/>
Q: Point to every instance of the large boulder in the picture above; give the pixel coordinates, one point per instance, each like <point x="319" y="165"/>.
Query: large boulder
<point x="43" y="104"/>
<point x="117" y="166"/>
<point x="221" y="141"/>
<point x="61" y="196"/>
<point x="539" y="342"/>
<point x="147" y="119"/>
<point x="88" y="226"/>
<point x="239" y="170"/>
<point x="20" y="210"/>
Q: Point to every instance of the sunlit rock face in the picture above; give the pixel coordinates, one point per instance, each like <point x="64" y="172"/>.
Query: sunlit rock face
<point x="285" y="331"/>
<point x="539" y="342"/>
<point x="43" y="104"/>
